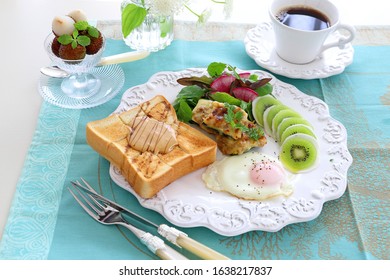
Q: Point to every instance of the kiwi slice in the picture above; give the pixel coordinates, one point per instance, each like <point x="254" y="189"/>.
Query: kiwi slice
<point x="280" y="116"/>
<point x="260" y="104"/>
<point x="296" y="128"/>
<point x="298" y="153"/>
<point x="287" y="122"/>
<point x="267" y="128"/>
<point x="269" y="115"/>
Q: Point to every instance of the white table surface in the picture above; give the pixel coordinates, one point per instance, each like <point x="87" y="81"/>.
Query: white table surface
<point x="24" y="25"/>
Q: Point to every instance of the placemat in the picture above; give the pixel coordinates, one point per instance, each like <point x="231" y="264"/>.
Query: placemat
<point x="46" y="223"/>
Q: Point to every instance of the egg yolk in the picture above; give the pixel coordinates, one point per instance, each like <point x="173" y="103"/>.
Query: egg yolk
<point x="266" y="173"/>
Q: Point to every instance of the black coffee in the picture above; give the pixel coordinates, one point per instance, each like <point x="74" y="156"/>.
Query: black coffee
<point x="303" y="18"/>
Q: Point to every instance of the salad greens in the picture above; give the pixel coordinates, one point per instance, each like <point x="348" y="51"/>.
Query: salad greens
<point x="186" y="100"/>
<point x="224" y="84"/>
<point x="216" y="69"/>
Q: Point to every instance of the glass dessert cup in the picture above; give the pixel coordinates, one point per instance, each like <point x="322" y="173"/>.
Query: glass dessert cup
<point x="80" y="83"/>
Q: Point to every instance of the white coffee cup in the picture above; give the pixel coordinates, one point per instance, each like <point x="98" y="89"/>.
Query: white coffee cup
<point x="302" y="46"/>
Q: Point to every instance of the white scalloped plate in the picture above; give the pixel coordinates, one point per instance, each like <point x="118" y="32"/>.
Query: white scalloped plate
<point x="188" y="203"/>
<point x="259" y="45"/>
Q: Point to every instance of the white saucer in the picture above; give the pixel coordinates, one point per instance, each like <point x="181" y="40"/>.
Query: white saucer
<point x="259" y="45"/>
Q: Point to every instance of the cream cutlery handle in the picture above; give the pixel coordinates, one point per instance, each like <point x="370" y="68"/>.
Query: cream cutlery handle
<point x="155" y="244"/>
<point x="199" y="249"/>
<point x="168" y="253"/>
<point x="181" y="239"/>
<point x="123" y="57"/>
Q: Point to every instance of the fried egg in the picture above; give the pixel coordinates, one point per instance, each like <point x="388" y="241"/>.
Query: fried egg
<point x="252" y="176"/>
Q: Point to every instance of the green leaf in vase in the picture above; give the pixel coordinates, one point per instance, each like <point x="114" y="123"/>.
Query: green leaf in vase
<point x="165" y="27"/>
<point x="132" y="17"/>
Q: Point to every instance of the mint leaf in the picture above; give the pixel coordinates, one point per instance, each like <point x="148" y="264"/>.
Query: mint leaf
<point x="75" y="33"/>
<point x="65" y="39"/>
<point x="81" y="25"/>
<point x="216" y="69"/>
<point x="132" y="17"/>
<point x="74" y="44"/>
<point x="93" y="32"/>
<point x="83" y="40"/>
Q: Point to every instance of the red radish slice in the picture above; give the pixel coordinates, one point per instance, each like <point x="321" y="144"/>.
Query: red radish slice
<point x="222" y="83"/>
<point x="245" y="75"/>
<point x="245" y="94"/>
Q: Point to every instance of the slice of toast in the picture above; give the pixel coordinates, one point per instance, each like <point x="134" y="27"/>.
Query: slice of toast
<point x="148" y="172"/>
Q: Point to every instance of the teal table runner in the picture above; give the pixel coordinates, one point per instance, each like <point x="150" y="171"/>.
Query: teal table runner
<point x="46" y="223"/>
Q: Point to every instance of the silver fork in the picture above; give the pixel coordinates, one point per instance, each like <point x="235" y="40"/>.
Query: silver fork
<point x="108" y="215"/>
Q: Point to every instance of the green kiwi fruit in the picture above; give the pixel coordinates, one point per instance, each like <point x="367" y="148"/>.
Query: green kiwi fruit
<point x="296" y="128"/>
<point x="280" y="116"/>
<point x="289" y="122"/>
<point x="299" y="153"/>
<point x="260" y="104"/>
<point x="266" y="127"/>
<point x="269" y="115"/>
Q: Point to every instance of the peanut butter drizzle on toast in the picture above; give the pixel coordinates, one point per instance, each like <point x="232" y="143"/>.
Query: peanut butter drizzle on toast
<point x="150" y="170"/>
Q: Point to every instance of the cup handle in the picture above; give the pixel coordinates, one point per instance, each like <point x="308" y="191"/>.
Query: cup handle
<point x="343" y="40"/>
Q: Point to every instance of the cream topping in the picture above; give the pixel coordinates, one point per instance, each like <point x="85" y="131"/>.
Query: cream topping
<point x="147" y="134"/>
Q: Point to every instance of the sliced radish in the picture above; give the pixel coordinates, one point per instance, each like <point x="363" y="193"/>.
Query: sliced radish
<point x="245" y="75"/>
<point x="222" y="83"/>
<point x="245" y="94"/>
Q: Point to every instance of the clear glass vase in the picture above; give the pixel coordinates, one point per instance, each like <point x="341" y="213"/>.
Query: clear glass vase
<point x="154" y="34"/>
